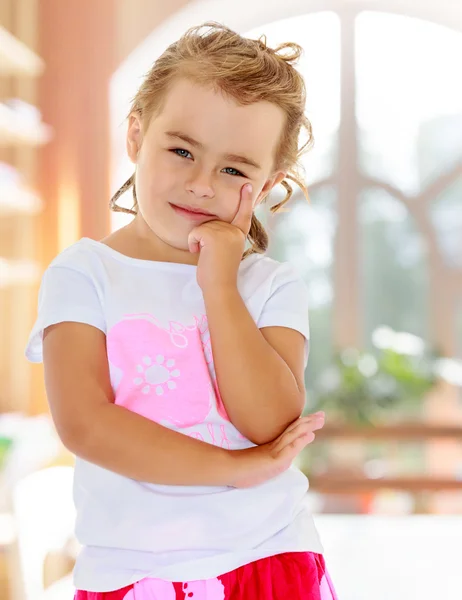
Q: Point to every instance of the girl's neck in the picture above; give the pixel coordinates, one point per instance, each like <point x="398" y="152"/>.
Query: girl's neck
<point x="136" y="240"/>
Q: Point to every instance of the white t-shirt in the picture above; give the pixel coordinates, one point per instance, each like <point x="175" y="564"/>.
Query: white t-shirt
<point x="161" y="367"/>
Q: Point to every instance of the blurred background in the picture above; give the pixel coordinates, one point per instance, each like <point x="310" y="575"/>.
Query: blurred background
<point x="380" y="247"/>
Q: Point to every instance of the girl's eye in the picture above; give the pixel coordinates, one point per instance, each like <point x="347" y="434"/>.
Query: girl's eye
<point x="181" y="152"/>
<point x="235" y="172"/>
<point x="186" y="154"/>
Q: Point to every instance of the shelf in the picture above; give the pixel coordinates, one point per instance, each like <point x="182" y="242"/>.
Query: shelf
<point x="16" y="131"/>
<point x="16" y="58"/>
<point x="333" y="484"/>
<point x="395" y="432"/>
<point x="18" y="272"/>
<point x="18" y="201"/>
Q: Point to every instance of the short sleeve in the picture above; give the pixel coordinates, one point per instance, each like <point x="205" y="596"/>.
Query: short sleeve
<point x="66" y="294"/>
<point x="287" y="305"/>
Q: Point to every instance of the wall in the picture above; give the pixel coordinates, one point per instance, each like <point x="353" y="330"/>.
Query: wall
<point x="136" y="19"/>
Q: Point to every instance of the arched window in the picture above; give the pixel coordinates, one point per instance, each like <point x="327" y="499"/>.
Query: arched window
<point x="381" y="242"/>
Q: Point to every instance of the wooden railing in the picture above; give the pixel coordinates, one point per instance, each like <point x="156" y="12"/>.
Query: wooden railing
<point x="339" y="484"/>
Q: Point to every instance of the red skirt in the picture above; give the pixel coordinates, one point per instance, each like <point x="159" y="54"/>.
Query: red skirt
<point x="290" y="576"/>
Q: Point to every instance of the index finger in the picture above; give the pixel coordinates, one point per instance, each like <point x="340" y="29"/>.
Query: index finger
<point x="243" y="217"/>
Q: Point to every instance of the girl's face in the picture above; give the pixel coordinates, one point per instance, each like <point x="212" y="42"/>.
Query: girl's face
<point x="195" y="157"/>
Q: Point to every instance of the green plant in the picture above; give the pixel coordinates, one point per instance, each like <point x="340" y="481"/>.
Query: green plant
<point x="363" y="388"/>
<point x="5" y="446"/>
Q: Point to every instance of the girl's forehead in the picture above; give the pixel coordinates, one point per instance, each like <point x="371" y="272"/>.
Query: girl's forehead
<point x="213" y="118"/>
<point x="186" y="97"/>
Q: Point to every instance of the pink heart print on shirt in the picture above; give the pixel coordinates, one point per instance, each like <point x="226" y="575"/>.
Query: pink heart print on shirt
<point x="203" y="327"/>
<point x="165" y="372"/>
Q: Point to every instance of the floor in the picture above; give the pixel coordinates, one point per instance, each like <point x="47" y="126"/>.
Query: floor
<point x="393" y="558"/>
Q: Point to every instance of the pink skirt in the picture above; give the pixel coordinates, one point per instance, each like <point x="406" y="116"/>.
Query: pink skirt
<point x="290" y="576"/>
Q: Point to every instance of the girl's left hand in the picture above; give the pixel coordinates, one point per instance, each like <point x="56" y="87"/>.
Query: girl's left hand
<point x="221" y="245"/>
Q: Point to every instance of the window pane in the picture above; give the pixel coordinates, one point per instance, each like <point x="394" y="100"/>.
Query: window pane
<point x="409" y="98"/>
<point x="446" y="213"/>
<point x="304" y="236"/>
<point x="394" y="270"/>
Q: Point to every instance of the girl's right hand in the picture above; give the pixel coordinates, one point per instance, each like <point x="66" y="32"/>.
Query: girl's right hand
<point x="256" y="465"/>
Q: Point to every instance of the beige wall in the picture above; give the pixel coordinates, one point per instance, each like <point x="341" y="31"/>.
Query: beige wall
<point x="136" y="19"/>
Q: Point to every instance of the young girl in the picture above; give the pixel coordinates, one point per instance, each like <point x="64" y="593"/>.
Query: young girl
<point x="174" y="358"/>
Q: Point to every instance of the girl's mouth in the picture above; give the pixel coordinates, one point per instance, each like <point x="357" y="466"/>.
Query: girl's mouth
<point x="192" y="213"/>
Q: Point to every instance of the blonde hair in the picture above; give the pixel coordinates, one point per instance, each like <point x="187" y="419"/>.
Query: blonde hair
<point x="247" y="70"/>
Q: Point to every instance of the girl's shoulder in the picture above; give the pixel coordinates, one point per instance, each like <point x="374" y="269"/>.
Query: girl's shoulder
<point x="80" y="255"/>
<point x="264" y="268"/>
<point x="262" y="276"/>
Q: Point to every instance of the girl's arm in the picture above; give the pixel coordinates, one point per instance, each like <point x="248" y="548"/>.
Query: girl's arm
<point x="259" y="372"/>
<point x="91" y="426"/>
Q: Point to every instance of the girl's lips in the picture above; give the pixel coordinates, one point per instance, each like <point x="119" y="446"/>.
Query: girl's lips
<point x="191" y="213"/>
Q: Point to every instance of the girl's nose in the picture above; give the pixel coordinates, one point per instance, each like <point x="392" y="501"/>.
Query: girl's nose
<point x="201" y="184"/>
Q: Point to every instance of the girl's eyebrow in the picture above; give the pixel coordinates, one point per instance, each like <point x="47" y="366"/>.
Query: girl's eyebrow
<point x="238" y="158"/>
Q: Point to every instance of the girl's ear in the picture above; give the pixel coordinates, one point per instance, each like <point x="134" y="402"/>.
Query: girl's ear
<point x="134" y="137"/>
<point x="269" y="185"/>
